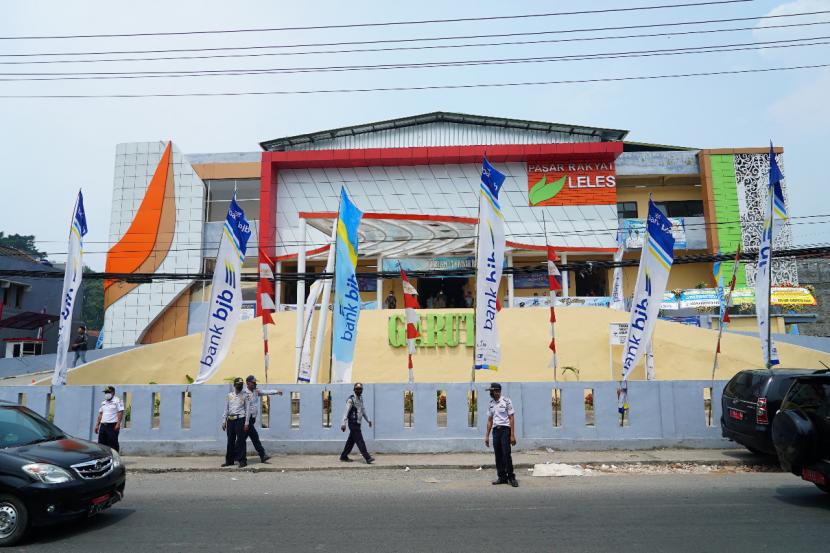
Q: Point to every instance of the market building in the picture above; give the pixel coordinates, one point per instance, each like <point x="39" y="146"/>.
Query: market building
<point x="416" y="179"/>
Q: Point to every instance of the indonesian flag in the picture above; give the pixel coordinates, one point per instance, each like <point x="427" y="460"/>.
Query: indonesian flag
<point x="410" y="302"/>
<point x="553" y="286"/>
<point x="266" y="300"/>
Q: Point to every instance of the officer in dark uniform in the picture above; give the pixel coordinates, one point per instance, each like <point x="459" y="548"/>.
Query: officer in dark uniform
<point x="353" y="416"/>
<point x="235" y="423"/>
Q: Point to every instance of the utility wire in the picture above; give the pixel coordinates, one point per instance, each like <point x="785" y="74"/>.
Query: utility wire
<point x="706" y="49"/>
<point x="381" y="23"/>
<point x="488" y="44"/>
<point x="411" y="88"/>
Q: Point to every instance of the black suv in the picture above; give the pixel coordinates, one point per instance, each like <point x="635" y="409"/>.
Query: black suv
<point x="47" y="476"/>
<point x="801" y="431"/>
<point x="749" y="403"/>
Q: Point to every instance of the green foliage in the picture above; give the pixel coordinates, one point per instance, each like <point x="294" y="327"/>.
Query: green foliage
<point x="22" y="242"/>
<point x="189" y="379"/>
<point x="93" y="312"/>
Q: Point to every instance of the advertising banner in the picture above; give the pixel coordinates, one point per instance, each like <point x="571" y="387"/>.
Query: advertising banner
<point x="225" y="307"/>
<point x="573" y="182"/>
<point x="617" y="296"/>
<point x="670" y="302"/>
<point x="72" y="278"/>
<point x="618" y="334"/>
<point x="346" y="291"/>
<point x="428" y="263"/>
<point x="304" y="370"/>
<point x="634" y="230"/>
<point x="655" y="264"/>
<point x="490" y="261"/>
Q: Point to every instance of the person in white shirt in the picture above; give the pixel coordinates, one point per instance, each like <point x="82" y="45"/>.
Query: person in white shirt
<point x="253" y="413"/>
<point x="501" y="421"/>
<point x="110" y="416"/>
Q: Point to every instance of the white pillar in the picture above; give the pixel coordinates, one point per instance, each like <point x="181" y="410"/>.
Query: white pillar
<point x="510" y="280"/>
<point x="278" y="286"/>
<point x="380" y="284"/>
<point x="566" y="278"/>
<point x="324" y="309"/>
<point x="298" y="342"/>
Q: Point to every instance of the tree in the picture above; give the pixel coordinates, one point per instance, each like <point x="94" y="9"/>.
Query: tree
<point x="93" y="312"/>
<point x="22" y="242"/>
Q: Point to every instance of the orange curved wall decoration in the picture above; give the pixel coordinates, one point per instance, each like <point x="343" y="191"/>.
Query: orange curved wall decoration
<point x="147" y="242"/>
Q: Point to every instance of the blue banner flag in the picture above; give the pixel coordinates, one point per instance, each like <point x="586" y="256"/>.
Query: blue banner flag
<point x="346" y="290"/>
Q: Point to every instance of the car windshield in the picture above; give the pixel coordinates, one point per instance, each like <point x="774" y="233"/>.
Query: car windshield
<point x="19" y="426"/>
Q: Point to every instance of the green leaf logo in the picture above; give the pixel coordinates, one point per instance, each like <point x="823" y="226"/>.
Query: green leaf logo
<point x="543" y="190"/>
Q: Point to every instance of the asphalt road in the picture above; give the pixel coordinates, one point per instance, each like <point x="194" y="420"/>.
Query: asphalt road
<point x="453" y="511"/>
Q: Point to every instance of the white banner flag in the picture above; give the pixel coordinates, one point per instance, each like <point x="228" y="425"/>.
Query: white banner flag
<point x="652" y="277"/>
<point x="304" y="370"/>
<point x="490" y="261"/>
<point x="226" y="293"/>
<point x="617" y="295"/>
<point x="72" y="277"/>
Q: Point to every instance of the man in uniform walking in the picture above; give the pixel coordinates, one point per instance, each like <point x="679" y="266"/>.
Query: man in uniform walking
<point x="501" y="421"/>
<point x="253" y="412"/>
<point x="235" y="424"/>
<point x="352" y="417"/>
<point x="110" y="416"/>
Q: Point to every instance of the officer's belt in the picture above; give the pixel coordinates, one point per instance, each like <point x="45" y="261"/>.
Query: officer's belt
<point x="234" y="417"/>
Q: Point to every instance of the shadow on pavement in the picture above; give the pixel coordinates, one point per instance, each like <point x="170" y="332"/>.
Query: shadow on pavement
<point x="806" y="495"/>
<point x="58" y="532"/>
<point x="750" y="458"/>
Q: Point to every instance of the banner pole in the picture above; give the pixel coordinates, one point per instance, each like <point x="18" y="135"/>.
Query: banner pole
<point x="771" y="194"/>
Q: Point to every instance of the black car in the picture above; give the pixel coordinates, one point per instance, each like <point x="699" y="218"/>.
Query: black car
<point x="47" y="476"/>
<point x="749" y="403"/>
<point x="801" y="431"/>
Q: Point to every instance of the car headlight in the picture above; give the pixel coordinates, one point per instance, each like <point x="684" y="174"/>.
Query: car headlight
<point x="48" y="474"/>
<point x="116" y="459"/>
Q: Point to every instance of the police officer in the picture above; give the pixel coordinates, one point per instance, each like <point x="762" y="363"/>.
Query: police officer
<point x="353" y="416"/>
<point x="254" y="398"/>
<point x="235" y="424"/>
<point x="110" y="416"/>
<point x="502" y="422"/>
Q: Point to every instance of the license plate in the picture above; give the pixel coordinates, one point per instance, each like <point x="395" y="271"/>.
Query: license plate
<point x="813" y="476"/>
<point x="103" y="502"/>
<point x="737" y="415"/>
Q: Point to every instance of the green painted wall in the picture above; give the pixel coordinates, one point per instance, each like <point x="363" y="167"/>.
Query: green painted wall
<point x="727" y="214"/>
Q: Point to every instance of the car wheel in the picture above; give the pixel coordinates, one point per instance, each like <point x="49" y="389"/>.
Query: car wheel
<point x="14" y="520"/>
<point x="794" y="437"/>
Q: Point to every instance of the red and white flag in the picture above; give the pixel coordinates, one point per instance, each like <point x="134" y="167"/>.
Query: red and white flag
<point x="553" y="286"/>
<point x="410" y="303"/>
<point x="266" y="302"/>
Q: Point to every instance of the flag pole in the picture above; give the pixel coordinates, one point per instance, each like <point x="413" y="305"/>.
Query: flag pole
<point x="552" y="298"/>
<point x="771" y="194"/>
<point x="727" y="300"/>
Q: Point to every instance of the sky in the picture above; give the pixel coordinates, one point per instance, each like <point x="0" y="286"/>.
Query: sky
<point x="49" y="148"/>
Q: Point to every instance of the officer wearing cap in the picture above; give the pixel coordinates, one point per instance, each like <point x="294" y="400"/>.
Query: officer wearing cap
<point x="110" y="415"/>
<point x="502" y="422"/>
<point x="353" y="416"/>
<point x="235" y="424"/>
<point x="255" y="394"/>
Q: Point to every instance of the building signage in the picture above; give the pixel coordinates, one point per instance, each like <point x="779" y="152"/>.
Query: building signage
<point x="412" y="264"/>
<point x="634" y="230"/>
<point x="437" y="330"/>
<point x="572" y="182"/>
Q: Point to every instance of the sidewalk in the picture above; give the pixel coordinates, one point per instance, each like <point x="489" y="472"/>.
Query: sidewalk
<point x="521" y="460"/>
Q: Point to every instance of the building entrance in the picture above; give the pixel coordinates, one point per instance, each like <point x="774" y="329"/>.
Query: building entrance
<point x="437" y="293"/>
<point x="591" y="284"/>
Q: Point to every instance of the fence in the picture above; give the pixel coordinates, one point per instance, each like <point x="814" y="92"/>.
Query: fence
<point x="415" y="418"/>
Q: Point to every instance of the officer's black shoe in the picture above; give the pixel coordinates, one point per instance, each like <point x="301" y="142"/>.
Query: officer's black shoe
<point x="346" y="459"/>
<point x="264" y="458"/>
<point x="514" y="482"/>
<point x="499" y="481"/>
<point x="226" y="464"/>
<point x="370" y="460"/>
<point x="243" y="464"/>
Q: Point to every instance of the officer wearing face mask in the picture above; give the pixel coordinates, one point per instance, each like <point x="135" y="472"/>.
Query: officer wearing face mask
<point x="235" y="424"/>
<point x="352" y="417"/>
<point x="110" y="416"/>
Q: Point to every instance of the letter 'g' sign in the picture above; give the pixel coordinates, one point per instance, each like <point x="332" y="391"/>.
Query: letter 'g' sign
<point x="574" y="182"/>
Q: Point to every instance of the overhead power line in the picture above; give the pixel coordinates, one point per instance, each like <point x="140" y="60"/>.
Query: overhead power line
<point x="381" y="23"/>
<point x="412" y="88"/>
<point x="489" y="43"/>
<point x="706" y="49"/>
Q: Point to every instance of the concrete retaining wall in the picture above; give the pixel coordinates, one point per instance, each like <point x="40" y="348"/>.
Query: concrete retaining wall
<point x="663" y="414"/>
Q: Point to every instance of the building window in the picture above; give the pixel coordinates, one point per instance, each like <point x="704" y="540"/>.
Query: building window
<point x="684" y="208"/>
<point x="220" y="191"/>
<point x="626" y="210"/>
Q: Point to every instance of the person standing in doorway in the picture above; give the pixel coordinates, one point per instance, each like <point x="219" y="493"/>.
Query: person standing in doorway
<point x="255" y="395"/>
<point x="110" y="416"/>
<point x="352" y="417"/>
<point x="390" y="302"/>
<point x="235" y="424"/>
<point x="80" y="345"/>
<point x="501" y="420"/>
<point x="468" y="299"/>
